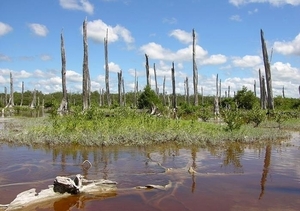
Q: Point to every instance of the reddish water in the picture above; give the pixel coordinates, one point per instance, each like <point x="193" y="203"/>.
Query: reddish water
<point x="234" y="178"/>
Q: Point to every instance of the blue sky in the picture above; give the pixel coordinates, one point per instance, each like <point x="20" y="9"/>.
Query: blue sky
<point x="227" y="31"/>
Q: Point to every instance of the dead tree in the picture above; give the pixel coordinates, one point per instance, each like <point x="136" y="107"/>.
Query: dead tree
<point x="270" y="101"/>
<point x="11" y="97"/>
<point x="283" y="95"/>
<point x="22" y="94"/>
<point x="173" y="87"/>
<point x="254" y="88"/>
<point x="147" y="70"/>
<point x="187" y="91"/>
<point x="164" y="91"/>
<point x="202" y="96"/>
<point x="195" y="71"/>
<point x="5" y="97"/>
<point x="123" y="92"/>
<point x="135" y="89"/>
<point x="107" y="70"/>
<point x="85" y="70"/>
<point x="155" y="78"/>
<point x="119" y="88"/>
<point x="33" y="102"/>
<point x="262" y="90"/>
<point x="63" y="108"/>
<point x="216" y="101"/>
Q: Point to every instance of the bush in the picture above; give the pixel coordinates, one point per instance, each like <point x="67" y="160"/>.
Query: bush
<point x="233" y="119"/>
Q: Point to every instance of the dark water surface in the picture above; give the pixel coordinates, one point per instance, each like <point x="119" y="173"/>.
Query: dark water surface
<point x="235" y="177"/>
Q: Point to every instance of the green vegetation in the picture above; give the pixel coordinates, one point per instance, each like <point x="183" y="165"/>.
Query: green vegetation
<point x="241" y="120"/>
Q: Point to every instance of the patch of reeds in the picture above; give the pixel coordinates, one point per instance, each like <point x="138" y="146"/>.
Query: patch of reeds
<point x="126" y="127"/>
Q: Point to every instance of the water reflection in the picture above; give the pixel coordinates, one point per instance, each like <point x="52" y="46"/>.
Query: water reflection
<point x="231" y="174"/>
<point x="267" y="162"/>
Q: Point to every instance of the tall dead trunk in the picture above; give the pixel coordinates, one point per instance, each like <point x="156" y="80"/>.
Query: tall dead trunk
<point x="270" y="101"/>
<point x="264" y="93"/>
<point x="107" y="70"/>
<point x="156" y="88"/>
<point x="254" y="88"/>
<point x="173" y="86"/>
<point x="195" y="71"/>
<point x="22" y="94"/>
<point x="135" y="89"/>
<point x="147" y="70"/>
<point x="33" y="102"/>
<point x="216" y="101"/>
<point x="5" y="97"/>
<point x="123" y="92"/>
<point x="85" y="70"/>
<point x="164" y="91"/>
<point x="119" y="88"/>
<point x="228" y="94"/>
<point x="202" y="96"/>
<point x="63" y="108"/>
<point x="187" y="91"/>
<point x="283" y="94"/>
<point x="220" y="93"/>
<point x="11" y="103"/>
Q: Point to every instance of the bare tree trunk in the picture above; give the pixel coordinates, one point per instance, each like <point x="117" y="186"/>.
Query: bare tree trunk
<point x="264" y="93"/>
<point x="5" y="98"/>
<point x="173" y="86"/>
<point x="267" y="72"/>
<point x="22" y="94"/>
<point x="155" y="78"/>
<point x="33" y="102"/>
<point x="202" y="96"/>
<point x="147" y="70"/>
<point x="135" y="89"/>
<point x="283" y="95"/>
<point x="228" y="92"/>
<point x="86" y="75"/>
<point x="216" y="102"/>
<point x="119" y="88"/>
<point x="107" y="70"/>
<point x="63" y="108"/>
<point x="11" y="104"/>
<point x="123" y="91"/>
<point x="195" y="71"/>
<point x="187" y="90"/>
<point x="254" y="88"/>
<point x="164" y="91"/>
<point x="220" y="92"/>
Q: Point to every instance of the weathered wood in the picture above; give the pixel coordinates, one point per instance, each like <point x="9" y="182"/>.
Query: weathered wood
<point x="135" y="89"/>
<point x="164" y="91"/>
<point x="155" y="78"/>
<point x="119" y="88"/>
<point x="107" y="69"/>
<point x="270" y="101"/>
<point x="22" y="93"/>
<point x="187" y="91"/>
<point x="195" y="71"/>
<point x="85" y="69"/>
<point x="216" y="101"/>
<point x="147" y="70"/>
<point x="63" y="108"/>
<point x="11" y="91"/>
<point x="33" y="102"/>
<point x="174" y="101"/>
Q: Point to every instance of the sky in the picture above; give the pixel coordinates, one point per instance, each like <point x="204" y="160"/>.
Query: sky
<point x="227" y="43"/>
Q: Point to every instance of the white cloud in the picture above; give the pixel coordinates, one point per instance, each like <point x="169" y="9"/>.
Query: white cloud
<point x="156" y="51"/>
<point x="5" y="28"/>
<point x="235" y="18"/>
<point x="272" y="2"/>
<point x="82" y="5"/>
<point x="73" y="76"/>
<point x="250" y="12"/>
<point x="246" y="61"/>
<point x="45" y="57"/>
<point x="182" y="36"/>
<point x="170" y="20"/>
<point x="23" y="74"/>
<point x="5" y="58"/>
<point x="96" y="30"/>
<point x="290" y="47"/>
<point x="214" y="60"/>
<point x="113" y="67"/>
<point x="38" y="29"/>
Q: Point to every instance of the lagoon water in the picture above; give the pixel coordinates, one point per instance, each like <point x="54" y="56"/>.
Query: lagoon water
<point x="233" y="177"/>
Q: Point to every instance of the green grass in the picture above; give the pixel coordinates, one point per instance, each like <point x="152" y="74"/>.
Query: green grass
<point x="127" y="127"/>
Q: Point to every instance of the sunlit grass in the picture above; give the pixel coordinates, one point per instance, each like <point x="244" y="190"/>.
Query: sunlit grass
<point x="130" y="128"/>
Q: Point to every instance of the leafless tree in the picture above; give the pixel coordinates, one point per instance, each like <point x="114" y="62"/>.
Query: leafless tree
<point x="107" y="69"/>
<point x="195" y="71"/>
<point x="85" y="70"/>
